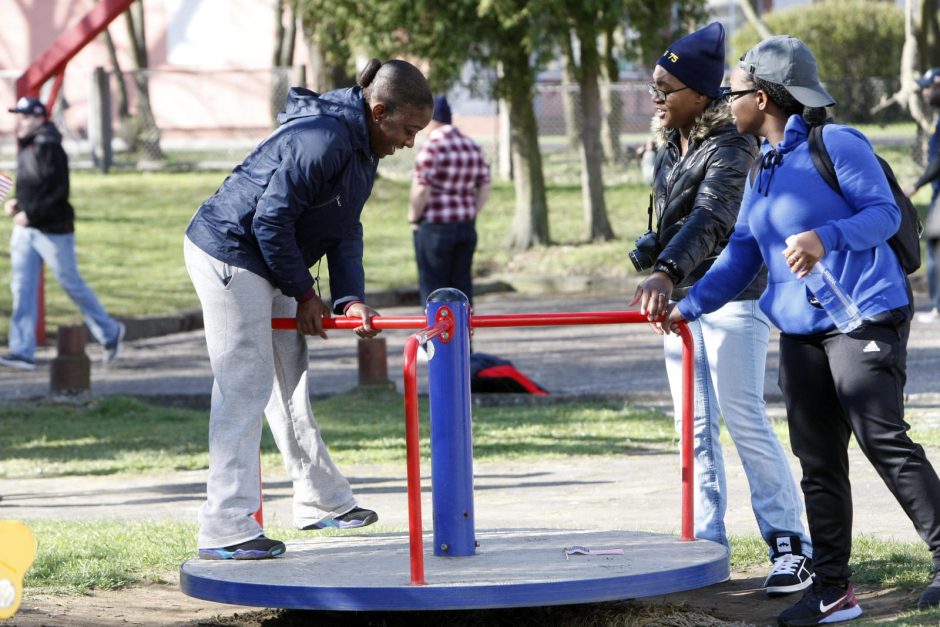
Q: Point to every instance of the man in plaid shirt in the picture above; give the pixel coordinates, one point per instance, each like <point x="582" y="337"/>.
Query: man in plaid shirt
<point x="451" y="184"/>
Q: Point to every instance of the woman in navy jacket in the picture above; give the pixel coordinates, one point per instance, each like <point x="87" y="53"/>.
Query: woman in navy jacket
<point x="834" y="384"/>
<point x="249" y="248"/>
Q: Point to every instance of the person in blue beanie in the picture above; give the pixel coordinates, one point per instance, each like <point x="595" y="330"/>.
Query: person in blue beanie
<point x="296" y="198"/>
<point x="450" y="186"/>
<point x="700" y="169"/>
<point x="834" y="384"/>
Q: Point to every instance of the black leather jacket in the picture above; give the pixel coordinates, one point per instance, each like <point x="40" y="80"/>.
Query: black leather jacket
<point x="697" y="198"/>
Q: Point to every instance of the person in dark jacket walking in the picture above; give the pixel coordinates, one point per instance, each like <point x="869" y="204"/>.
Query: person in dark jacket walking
<point x="834" y="384"/>
<point x="700" y="172"/>
<point x="296" y="197"/>
<point x="44" y="232"/>
<point x="930" y="84"/>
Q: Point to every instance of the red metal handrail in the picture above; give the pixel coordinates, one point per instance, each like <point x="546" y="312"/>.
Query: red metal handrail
<point x="412" y="444"/>
<point x="511" y="320"/>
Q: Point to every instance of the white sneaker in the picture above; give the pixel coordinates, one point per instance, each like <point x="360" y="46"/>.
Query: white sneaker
<point x="928" y="317"/>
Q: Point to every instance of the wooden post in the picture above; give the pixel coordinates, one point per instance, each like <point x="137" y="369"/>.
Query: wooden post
<point x="71" y="368"/>
<point x="373" y="362"/>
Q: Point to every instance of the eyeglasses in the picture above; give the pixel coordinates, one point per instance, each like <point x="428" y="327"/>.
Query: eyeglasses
<point x="731" y="96"/>
<point x="661" y="94"/>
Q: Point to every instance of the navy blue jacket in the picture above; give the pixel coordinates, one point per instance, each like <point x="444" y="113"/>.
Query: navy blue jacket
<point x="298" y="196"/>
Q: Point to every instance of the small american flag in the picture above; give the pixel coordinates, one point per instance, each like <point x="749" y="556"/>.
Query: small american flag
<point x="6" y="184"/>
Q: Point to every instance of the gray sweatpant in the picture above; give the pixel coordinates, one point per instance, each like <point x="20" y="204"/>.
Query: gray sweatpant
<point x="257" y="371"/>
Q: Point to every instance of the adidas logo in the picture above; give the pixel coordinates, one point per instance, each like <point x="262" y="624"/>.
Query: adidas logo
<point x="871" y="347"/>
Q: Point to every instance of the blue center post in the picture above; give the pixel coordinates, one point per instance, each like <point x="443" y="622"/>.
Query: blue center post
<point x="451" y="440"/>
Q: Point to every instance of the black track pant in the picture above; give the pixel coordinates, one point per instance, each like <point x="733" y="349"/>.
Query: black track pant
<point x="835" y="385"/>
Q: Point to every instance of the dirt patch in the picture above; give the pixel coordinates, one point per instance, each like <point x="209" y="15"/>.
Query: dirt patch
<point x="738" y="602"/>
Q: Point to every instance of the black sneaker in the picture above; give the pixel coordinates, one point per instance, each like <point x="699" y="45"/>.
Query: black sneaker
<point x="356" y="517"/>
<point x="791" y="571"/>
<point x="930" y="597"/>
<point x="822" y="604"/>
<point x="259" y="548"/>
<point x="15" y="361"/>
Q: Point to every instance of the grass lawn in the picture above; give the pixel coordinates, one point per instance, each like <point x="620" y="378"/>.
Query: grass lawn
<point x="119" y="435"/>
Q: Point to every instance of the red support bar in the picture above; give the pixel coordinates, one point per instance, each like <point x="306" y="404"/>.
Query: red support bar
<point x="413" y="448"/>
<point x="67" y="45"/>
<point x="688" y="404"/>
<point x="378" y="322"/>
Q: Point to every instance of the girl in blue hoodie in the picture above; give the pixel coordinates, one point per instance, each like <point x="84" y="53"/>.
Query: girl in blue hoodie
<point x="834" y="384"/>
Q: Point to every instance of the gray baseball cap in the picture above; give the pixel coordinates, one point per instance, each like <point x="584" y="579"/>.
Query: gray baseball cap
<point x="787" y="61"/>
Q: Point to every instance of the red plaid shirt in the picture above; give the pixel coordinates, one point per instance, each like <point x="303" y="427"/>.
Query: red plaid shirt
<point x="453" y="166"/>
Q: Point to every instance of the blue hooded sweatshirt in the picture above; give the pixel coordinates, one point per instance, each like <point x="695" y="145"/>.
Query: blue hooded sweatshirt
<point x="789" y="196"/>
<point x="296" y="197"/>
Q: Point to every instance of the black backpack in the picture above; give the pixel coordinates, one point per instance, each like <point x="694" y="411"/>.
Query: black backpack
<point x="906" y="242"/>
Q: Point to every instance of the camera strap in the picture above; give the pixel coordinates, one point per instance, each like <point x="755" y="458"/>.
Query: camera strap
<point x="649" y="211"/>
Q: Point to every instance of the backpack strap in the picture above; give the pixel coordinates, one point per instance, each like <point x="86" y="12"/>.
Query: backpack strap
<point x="821" y="159"/>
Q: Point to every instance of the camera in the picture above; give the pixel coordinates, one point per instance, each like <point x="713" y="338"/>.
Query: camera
<point x="646" y="251"/>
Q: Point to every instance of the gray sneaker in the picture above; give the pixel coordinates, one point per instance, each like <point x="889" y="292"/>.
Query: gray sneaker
<point x="15" y="361"/>
<point x="112" y="350"/>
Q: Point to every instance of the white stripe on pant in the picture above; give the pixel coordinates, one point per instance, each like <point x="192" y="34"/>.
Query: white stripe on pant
<point x="257" y="371"/>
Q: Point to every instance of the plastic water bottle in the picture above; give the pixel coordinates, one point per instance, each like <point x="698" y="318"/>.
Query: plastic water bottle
<point x="833" y="298"/>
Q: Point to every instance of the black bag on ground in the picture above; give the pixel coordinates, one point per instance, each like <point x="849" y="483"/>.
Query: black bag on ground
<point x="490" y="374"/>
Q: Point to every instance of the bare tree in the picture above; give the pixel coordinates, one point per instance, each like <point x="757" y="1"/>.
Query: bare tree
<point x="284" y="36"/>
<point x="908" y="95"/>
<point x="147" y="133"/>
<point x="754" y="20"/>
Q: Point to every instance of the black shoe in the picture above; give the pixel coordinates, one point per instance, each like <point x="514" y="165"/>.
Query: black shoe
<point x="822" y="604"/>
<point x="15" y="361"/>
<point x="930" y="597"/>
<point x="791" y="571"/>
<point x="259" y="548"/>
<point x="356" y="517"/>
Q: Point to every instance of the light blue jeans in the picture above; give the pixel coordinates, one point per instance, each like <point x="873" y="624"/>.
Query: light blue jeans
<point x="29" y="248"/>
<point x="730" y="359"/>
<point x="933" y="281"/>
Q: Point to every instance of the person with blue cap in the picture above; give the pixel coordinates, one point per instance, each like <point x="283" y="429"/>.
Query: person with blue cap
<point x="835" y="384"/>
<point x="930" y="86"/>
<point x="450" y="186"/>
<point x="700" y="171"/>
<point x="44" y="232"/>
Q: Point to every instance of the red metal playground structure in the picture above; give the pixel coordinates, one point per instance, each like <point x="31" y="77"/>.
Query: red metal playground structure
<point x="51" y="64"/>
<point x="470" y="569"/>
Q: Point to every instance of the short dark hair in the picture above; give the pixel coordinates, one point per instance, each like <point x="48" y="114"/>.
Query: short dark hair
<point x="396" y="83"/>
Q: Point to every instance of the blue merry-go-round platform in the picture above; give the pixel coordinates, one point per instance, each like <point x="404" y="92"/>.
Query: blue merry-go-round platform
<point x="511" y="568"/>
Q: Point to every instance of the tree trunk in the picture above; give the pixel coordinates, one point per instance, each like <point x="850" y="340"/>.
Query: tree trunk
<point x="570" y="99"/>
<point x="596" y="223"/>
<point x="284" y="37"/>
<point x="754" y="20"/>
<point x="530" y="223"/>
<point x="612" y="101"/>
<point x="147" y="132"/>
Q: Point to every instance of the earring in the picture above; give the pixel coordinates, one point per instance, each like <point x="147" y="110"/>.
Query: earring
<point x="376" y="120"/>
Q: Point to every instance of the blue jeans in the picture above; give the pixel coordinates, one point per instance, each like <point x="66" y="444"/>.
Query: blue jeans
<point x="29" y="248"/>
<point x="730" y="359"/>
<point x="932" y="281"/>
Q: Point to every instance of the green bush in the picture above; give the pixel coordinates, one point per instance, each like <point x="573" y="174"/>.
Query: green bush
<point x="857" y="44"/>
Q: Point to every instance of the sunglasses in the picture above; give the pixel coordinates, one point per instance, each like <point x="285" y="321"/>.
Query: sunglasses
<point x="661" y="94"/>
<point x="730" y="96"/>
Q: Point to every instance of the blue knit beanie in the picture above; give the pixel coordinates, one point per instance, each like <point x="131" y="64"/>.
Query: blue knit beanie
<point x="441" y="110"/>
<point x="698" y="59"/>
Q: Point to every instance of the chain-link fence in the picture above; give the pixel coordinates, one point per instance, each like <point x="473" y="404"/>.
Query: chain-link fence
<point x="212" y="118"/>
